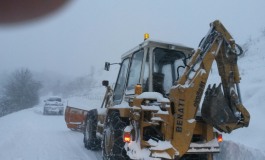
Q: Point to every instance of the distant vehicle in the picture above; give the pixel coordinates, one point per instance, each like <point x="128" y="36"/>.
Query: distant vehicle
<point x="53" y="105"/>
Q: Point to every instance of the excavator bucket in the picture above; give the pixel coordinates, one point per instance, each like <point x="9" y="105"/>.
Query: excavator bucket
<point x="215" y="109"/>
<point x="75" y="118"/>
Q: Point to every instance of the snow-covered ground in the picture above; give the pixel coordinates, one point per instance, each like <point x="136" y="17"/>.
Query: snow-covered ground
<point x="29" y="135"/>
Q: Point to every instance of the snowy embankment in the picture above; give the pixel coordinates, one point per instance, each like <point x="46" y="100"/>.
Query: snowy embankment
<point x="252" y="68"/>
<point x="249" y="143"/>
<point x="234" y="151"/>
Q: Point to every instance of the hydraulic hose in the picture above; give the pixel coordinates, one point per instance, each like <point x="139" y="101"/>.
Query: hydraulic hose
<point x="240" y="50"/>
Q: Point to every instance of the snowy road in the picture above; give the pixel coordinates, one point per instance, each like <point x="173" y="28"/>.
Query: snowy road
<point x="28" y="135"/>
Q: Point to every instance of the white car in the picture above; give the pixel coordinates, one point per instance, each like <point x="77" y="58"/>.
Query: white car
<point x="53" y="105"/>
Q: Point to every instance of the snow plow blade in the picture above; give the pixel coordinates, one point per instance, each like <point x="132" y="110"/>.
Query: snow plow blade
<point x="75" y="118"/>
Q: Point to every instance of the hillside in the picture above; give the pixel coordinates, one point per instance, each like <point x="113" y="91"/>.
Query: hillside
<point x="252" y="85"/>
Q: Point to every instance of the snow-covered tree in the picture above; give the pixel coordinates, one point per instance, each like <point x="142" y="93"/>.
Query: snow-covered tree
<point x="20" y="92"/>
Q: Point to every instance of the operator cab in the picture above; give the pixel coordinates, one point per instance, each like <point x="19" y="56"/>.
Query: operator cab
<point x="156" y="66"/>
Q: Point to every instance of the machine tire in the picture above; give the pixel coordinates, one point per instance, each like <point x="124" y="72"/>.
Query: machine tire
<point x="113" y="145"/>
<point x="91" y="141"/>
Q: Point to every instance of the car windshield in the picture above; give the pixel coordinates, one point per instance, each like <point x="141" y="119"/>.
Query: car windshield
<point x="55" y="99"/>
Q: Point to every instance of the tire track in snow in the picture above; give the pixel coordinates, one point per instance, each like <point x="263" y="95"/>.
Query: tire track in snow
<point x="29" y="135"/>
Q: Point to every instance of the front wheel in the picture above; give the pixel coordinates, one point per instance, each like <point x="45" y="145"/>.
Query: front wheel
<point x="91" y="141"/>
<point x="113" y="145"/>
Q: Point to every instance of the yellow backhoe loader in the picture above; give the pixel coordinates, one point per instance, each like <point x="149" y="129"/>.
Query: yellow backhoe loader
<point x="155" y="109"/>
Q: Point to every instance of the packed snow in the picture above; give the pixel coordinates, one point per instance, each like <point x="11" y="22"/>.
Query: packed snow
<point x="30" y="135"/>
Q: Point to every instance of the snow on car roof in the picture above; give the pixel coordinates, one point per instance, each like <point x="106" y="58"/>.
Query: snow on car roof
<point x="54" y="99"/>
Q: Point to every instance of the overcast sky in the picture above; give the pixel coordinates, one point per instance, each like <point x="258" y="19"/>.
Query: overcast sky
<point x="87" y="33"/>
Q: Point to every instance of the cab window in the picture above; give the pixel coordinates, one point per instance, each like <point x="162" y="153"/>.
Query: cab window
<point x="135" y="71"/>
<point x="121" y="81"/>
<point x="165" y="69"/>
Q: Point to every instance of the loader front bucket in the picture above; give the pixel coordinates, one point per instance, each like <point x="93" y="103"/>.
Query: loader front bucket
<point x="216" y="111"/>
<point x="75" y="118"/>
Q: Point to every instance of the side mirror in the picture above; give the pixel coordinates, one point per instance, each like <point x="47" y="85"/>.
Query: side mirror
<point x="105" y="83"/>
<point x="107" y="66"/>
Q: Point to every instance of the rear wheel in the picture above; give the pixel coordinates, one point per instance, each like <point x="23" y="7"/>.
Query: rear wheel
<point x="113" y="145"/>
<point x="91" y="141"/>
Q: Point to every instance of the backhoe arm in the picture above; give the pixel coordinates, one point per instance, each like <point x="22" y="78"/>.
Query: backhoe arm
<point x="224" y="111"/>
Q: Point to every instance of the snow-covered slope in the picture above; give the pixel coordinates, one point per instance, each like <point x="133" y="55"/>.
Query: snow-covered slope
<point x="252" y="68"/>
<point x="235" y="151"/>
<point x="248" y="143"/>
